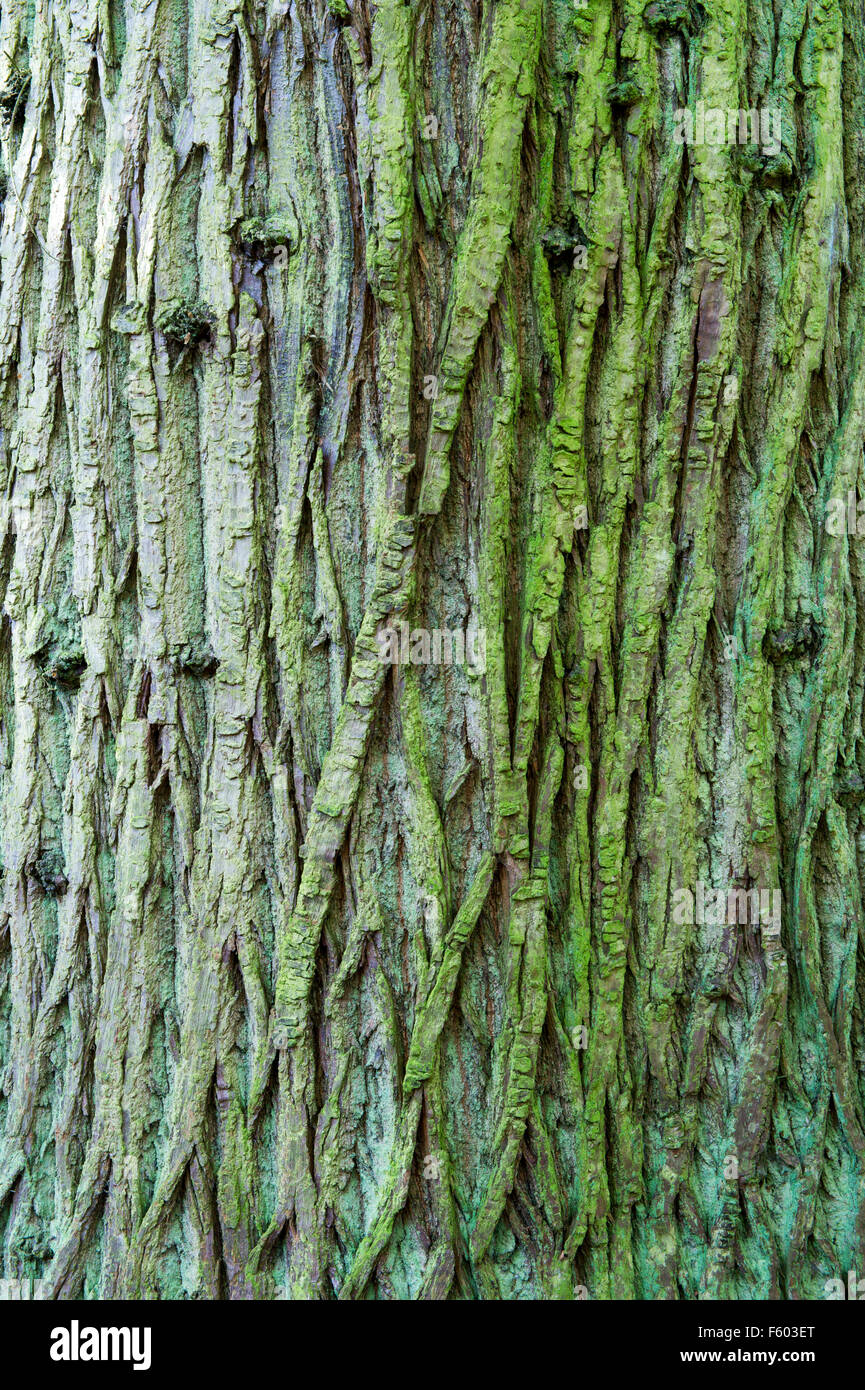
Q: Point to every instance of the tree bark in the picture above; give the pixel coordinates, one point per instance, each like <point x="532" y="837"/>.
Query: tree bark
<point x="329" y="328"/>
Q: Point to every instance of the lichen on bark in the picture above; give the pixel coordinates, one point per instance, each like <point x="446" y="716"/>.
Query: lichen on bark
<point x="325" y="977"/>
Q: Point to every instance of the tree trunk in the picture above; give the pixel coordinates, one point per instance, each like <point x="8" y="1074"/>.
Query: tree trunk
<point x="431" y="674"/>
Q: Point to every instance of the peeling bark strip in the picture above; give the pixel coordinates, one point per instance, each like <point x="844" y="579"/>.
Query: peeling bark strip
<point x="326" y="977"/>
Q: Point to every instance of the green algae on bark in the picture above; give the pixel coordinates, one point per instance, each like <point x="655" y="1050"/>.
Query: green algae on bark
<point x="326" y="978"/>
